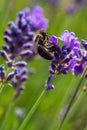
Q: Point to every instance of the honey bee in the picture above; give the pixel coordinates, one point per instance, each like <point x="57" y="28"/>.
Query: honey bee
<point x="43" y="45"/>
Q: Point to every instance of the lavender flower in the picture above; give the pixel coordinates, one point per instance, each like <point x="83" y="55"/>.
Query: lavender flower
<point x="14" y="77"/>
<point x="65" y="56"/>
<point x="20" y="46"/>
<point x="19" y="37"/>
<point x="17" y="74"/>
<point x="35" y="18"/>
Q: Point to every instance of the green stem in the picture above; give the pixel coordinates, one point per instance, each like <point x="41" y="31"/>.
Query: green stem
<point x="7" y="115"/>
<point x="27" y="118"/>
<point x="72" y="100"/>
<point x="66" y="94"/>
<point x="1" y="87"/>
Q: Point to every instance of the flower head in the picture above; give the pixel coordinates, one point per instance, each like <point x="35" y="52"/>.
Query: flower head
<point x="19" y="37"/>
<point x="65" y="55"/>
<point x="36" y="19"/>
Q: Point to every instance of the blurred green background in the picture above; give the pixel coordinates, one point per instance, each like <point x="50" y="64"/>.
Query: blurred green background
<point x="52" y="106"/>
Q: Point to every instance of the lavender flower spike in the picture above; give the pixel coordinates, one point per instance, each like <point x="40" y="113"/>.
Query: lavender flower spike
<point x="19" y="37"/>
<point x="64" y="56"/>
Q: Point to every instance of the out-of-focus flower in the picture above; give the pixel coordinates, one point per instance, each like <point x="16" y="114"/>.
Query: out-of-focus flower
<point x="17" y="73"/>
<point x="6" y="77"/>
<point x="71" y="9"/>
<point x="75" y="6"/>
<point x="20" y="47"/>
<point x="35" y="19"/>
<point x="19" y="37"/>
<point x="19" y="79"/>
<point x="19" y="112"/>
<point x="15" y="77"/>
<point x="53" y="3"/>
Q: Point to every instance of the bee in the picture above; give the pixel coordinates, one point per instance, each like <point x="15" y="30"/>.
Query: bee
<point x="43" y="45"/>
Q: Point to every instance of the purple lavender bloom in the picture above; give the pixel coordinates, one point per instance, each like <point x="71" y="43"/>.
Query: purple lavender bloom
<point x="19" y="37"/>
<point x="20" y="73"/>
<point x="19" y="79"/>
<point x="20" y="46"/>
<point x="54" y="40"/>
<point x="36" y="18"/>
<point x="65" y="56"/>
<point x="70" y="9"/>
<point x="17" y="75"/>
<point x="78" y="69"/>
<point x="69" y="39"/>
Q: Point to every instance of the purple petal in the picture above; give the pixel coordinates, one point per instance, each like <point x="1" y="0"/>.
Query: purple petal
<point x="4" y="55"/>
<point x="50" y="87"/>
<point x="78" y="69"/>
<point x="54" y="40"/>
<point x="26" y="53"/>
<point x="26" y="13"/>
<point x="10" y="76"/>
<point x="20" y="64"/>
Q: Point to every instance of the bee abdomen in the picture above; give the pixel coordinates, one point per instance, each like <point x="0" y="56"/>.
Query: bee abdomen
<point x="44" y="53"/>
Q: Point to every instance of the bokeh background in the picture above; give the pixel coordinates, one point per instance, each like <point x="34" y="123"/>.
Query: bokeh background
<point x="62" y="15"/>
